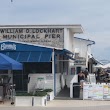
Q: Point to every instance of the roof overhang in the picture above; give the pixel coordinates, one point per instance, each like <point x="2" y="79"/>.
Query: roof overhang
<point x="95" y="61"/>
<point x="68" y="54"/>
<point x="75" y="28"/>
<point x="90" y="42"/>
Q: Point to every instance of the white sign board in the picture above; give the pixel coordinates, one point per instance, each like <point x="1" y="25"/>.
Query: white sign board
<point x="85" y="91"/>
<point x="106" y="91"/>
<point x="93" y="91"/>
<point x="97" y="91"/>
<point x="42" y="36"/>
<point x="92" y="78"/>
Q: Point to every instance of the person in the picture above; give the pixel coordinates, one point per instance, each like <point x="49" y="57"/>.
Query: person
<point x="98" y="75"/>
<point x="86" y="73"/>
<point x="81" y="78"/>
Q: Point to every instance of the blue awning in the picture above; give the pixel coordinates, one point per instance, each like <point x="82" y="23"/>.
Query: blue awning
<point x="31" y="53"/>
<point x="7" y="63"/>
<point x="23" y="52"/>
<point x="38" y="56"/>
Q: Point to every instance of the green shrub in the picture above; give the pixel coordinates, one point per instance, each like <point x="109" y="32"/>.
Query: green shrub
<point x="24" y="94"/>
<point x="48" y="90"/>
<point x="40" y="93"/>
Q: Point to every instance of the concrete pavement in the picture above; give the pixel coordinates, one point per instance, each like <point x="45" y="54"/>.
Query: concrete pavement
<point x="63" y="104"/>
<point x="56" y="108"/>
<point x="77" y="103"/>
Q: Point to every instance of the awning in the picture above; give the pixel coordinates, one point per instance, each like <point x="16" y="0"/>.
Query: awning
<point x="38" y="56"/>
<point x="7" y="63"/>
<point x="68" y="54"/>
<point x="31" y="53"/>
<point x="94" y="60"/>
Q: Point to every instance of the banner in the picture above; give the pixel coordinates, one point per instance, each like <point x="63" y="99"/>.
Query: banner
<point x="97" y="91"/>
<point x="106" y="92"/>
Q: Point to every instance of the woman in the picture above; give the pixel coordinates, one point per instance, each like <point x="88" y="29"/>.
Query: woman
<point x="81" y="78"/>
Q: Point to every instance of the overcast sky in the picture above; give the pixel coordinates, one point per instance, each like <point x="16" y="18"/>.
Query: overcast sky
<point x="93" y="15"/>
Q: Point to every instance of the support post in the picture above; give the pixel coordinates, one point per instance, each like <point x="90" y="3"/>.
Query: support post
<point x="53" y="72"/>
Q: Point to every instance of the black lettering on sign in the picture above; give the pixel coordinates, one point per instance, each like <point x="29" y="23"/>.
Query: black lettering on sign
<point x="58" y="35"/>
<point x="5" y="36"/>
<point x="41" y="30"/>
<point x="20" y="30"/>
<point x="27" y="30"/>
<point x="37" y="30"/>
<point x="14" y="36"/>
<point x="53" y="35"/>
<point x="33" y="37"/>
<point x="45" y="31"/>
<point x="2" y="31"/>
<point x="37" y="36"/>
<point x="46" y="35"/>
<point x="21" y="36"/>
<point x="53" y="30"/>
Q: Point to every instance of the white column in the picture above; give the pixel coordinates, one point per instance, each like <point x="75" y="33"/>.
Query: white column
<point x="66" y="38"/>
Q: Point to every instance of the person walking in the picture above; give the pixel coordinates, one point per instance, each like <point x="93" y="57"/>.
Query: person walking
<point x="81" y="78"/>
<point x="86" y="73"/>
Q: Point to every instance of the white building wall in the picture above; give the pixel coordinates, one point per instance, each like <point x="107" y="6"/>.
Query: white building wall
<point x="89" y="49"/>
<point x="82" y="46"/>
<point x="68" y="44"/>
<point x="71" y="35"/>
<point x="48" y="82"/>
<point x="68" y="39"/>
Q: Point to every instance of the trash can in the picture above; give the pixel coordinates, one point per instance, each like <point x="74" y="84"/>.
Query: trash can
<point x="76" y="90"/>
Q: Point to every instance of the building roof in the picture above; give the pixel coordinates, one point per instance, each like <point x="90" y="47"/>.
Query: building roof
<point x="85" y="40"/>
<point x="75" y="28"/>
